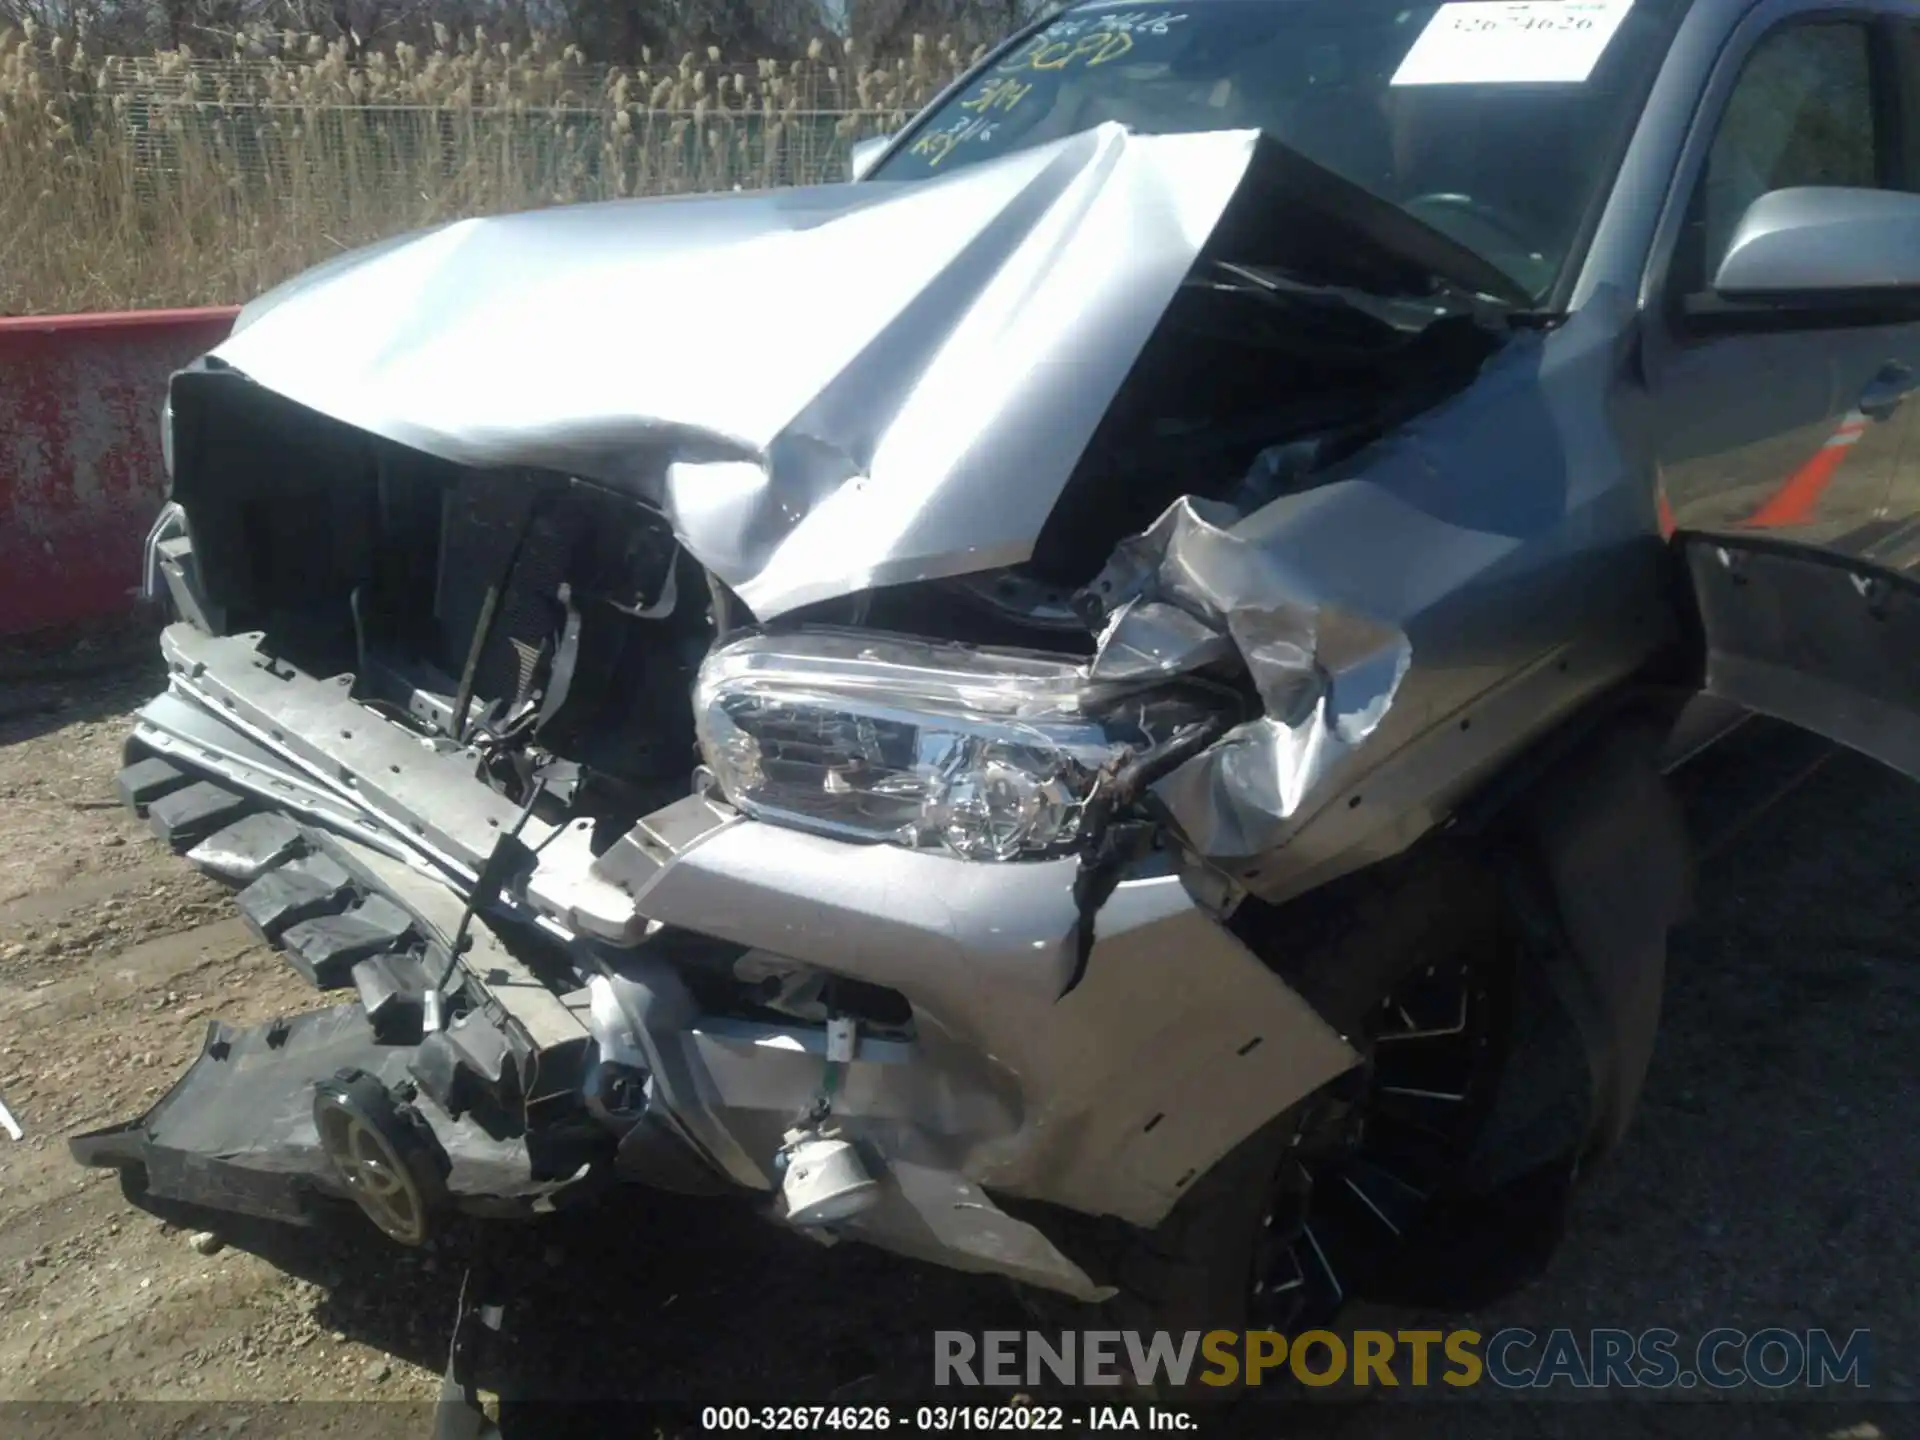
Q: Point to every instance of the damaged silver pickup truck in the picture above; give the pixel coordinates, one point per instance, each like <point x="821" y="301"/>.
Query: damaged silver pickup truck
<point x="1090" y="705"/>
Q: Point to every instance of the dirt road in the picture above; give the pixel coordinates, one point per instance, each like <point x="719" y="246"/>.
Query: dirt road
<point x="1769" y="1180"/>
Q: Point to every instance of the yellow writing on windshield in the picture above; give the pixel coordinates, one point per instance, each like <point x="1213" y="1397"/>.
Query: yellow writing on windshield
<point x="1092" y="49"/>
<point x="941" y="143"/>
<point x="1089" y="40"/>
<point x="1084" y="41"/>
<point x="1001" y="94"/>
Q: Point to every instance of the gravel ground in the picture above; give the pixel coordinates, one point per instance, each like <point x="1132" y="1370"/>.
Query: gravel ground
<point x="1767" y="1182"/>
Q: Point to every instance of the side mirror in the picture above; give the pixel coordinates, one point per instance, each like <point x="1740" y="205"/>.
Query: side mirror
<point x="1819" y="243"/>
<point x="864" y="153"/>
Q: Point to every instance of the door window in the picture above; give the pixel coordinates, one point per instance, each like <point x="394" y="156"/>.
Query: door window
<point x="1802" y="113"/>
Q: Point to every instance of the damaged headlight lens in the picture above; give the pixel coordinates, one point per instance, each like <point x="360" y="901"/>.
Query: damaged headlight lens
<point x="990" y="753"/>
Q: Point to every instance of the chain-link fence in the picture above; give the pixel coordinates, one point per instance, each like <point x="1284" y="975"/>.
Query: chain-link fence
<point x="571" y="131"/>
<point x="171" y="179"/>
<point x="555" y="157"/>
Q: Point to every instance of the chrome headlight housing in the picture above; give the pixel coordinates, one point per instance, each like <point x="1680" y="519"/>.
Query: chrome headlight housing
<point x="992" y="754"/>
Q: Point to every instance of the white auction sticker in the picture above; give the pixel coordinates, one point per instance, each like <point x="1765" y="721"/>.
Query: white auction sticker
<point x="1516" y="42"/>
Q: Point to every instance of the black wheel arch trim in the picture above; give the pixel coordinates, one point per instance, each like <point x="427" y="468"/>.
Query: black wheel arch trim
<point x="1600" y="868"/>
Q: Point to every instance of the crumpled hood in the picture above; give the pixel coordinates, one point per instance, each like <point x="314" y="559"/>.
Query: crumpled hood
<point x="825" y="389"/>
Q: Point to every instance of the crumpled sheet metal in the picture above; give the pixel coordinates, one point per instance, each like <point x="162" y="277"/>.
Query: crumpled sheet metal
<point x="843" y="386"/>
<point x="1509" y="525"/>
<point x="1190" y="590"/>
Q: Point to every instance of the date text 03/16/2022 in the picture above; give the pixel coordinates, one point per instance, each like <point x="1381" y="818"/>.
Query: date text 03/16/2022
<point x="940" y="1419"/>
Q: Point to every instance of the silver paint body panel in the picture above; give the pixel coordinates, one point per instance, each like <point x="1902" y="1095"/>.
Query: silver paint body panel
<point x="838" y="388"/>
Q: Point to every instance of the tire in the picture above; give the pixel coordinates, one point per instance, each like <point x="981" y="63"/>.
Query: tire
<point x="1351" y="950"/>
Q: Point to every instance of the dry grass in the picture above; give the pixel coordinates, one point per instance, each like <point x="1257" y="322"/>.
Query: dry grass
<point x="177" y="179"/>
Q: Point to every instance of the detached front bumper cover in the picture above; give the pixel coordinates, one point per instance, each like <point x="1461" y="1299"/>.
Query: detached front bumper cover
<point x="238" y="1132"/>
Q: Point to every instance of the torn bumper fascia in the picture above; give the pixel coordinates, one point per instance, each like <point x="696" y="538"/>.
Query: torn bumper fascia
<point x="1410" y="623"/>
<point x="237" y="1131"/>
<point x="1108" y="1095"/>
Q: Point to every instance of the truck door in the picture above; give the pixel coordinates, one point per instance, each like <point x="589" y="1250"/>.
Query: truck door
<point x="1784" y="438"/>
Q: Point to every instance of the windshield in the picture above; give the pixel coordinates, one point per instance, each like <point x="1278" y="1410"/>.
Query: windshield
<point x="1499" y="124"/>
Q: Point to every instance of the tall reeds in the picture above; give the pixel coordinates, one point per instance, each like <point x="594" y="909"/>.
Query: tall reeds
<point x="184" y="179"/>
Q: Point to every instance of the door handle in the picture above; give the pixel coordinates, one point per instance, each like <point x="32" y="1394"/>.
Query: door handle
<point x="1886" y="391"/>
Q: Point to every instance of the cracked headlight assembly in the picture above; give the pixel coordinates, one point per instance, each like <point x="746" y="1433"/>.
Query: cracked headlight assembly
<point x="993" y="754"/>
